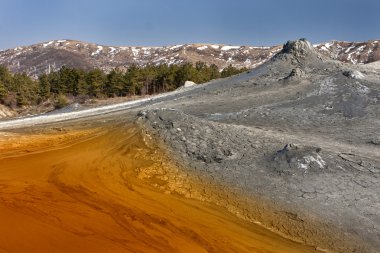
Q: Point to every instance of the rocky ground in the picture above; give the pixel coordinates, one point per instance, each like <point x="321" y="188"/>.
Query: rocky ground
<point x="294" y="144"/>
<point x="300" y="133"/>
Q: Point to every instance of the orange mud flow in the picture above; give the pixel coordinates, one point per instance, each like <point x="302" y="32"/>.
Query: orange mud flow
<point x="107" y="191"/>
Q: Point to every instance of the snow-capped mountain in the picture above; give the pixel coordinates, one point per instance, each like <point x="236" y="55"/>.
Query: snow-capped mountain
<point x="50" y="56"/>
<point x="352" y="52"/>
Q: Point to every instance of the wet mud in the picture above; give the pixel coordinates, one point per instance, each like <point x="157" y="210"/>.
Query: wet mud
<point x="108" y="190"/>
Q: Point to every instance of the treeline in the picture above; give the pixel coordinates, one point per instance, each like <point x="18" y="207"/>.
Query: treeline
<point x="17" y="90"/>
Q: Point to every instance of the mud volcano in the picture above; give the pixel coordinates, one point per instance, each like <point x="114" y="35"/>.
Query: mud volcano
<point x="291" y="146"/>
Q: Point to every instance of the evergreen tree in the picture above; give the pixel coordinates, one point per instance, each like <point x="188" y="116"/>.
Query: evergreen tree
<point x="21" y="90"/>
<point x="114" y="84"/>
<point x="95" y="82"/>
<point x="230" y="71"/>
<point x="6" y="78"/>
<point x="3" y="92"/>
<point x="44" y="87"/>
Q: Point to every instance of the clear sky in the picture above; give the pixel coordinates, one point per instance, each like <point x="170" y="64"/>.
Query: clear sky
<point x="168" y="22"/>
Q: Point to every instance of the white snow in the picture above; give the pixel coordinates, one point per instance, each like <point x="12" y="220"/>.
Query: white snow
<point x="369" y="51"/>
<point x="146" y="50"/>
<point x="361" y="48"/>
<point x="349" y="57"/>
<point x="259" y="47"/>
<point x="324" y="48"/>
<point x="48" y="44"/>
<point x="113" y="51"/>
<point x="175" y="47"/>
<point x="135" y="51"/>
<point x="329" y="44"/>
<point x="18" y="48"/>
<point x="61" y="41"/>
<point x="349" y="49"/>
<point x="100" y="49"/>
<point x="202" y="48"/>
<point x="215" y="46"/>
<point x="226" y="48"/>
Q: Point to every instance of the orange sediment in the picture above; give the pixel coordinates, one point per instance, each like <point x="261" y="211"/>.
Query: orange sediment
<point x="107" y="191"/>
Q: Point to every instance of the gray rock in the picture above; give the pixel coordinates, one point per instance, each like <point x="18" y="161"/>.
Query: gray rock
<point x="354" y="74"/>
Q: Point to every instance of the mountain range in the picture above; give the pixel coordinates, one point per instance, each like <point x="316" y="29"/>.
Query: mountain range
<point x="50" y="56"/>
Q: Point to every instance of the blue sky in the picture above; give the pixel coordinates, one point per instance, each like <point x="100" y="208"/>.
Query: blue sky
<point x="167" y="22"/>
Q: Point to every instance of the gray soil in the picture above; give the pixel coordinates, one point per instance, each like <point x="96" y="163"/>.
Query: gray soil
<point x="298" y="137"/>
<point x="293" y="144"/>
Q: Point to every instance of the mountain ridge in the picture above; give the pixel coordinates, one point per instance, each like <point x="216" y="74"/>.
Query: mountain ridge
<point x="49" y="56"/>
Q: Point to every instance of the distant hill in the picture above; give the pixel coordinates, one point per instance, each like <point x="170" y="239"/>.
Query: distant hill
<point x="50" y="56"/>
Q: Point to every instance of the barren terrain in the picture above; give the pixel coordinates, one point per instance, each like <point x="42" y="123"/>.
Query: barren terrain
<point x="292" y="145"/>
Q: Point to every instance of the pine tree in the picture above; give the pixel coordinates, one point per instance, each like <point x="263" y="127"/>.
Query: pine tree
<point x="114" y="84"/>
<point x="95" y="82"/>
<point x="44" y="87"/>
<point x="3" y="92"/>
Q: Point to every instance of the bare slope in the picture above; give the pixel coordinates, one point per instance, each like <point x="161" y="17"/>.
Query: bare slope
<point x="300" y="132"/>
<point x="49" y="56"/>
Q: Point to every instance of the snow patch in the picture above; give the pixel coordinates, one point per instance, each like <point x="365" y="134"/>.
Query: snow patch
<point x="361" y="48"/>
<point x="113" y="51"/>
<point x="370" y="51"/>
<point x="48" y="44"/>
<point x="324" y="48"/>
<point x="135" y="51"/>
<point x="146" y="50"/>
<point x="175" y="47"/>
<point x="202" y="48"/>
<point x="215" y="46"/>
<point x="329" y="44"/>
<point x="226" y="48"/>
<point x="100" y="49"/>
<point x="349" y="49"/>
<point x="259" y="47"/>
